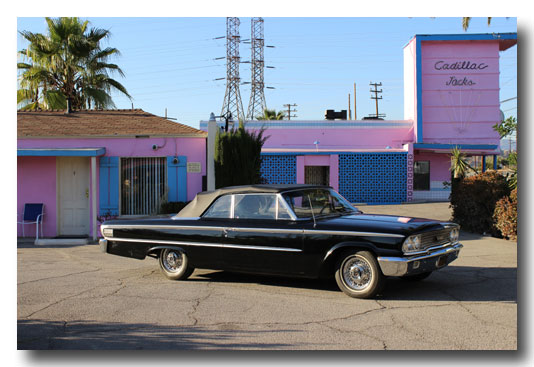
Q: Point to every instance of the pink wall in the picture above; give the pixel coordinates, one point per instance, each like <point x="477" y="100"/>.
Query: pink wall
<point x="439" y="165"/>
<point x="36" y="183"/>
<point x="341" y="138"/>
<point x="460" y="104"/>
<point x="36" y="176"/>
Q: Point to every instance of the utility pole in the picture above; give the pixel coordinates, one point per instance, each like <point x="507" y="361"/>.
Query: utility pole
<point x="350" y="115"/>
<point x="355" y="101"/>
<point x="289" y="105"/>
<point x="376" y="98"/>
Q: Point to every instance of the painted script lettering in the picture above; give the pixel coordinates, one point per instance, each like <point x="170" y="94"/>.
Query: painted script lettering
<point x="460" y="65"/>
<point x="459" y="82"/>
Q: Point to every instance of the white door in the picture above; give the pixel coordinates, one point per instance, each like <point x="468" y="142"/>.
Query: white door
<point x="73" y="195"/>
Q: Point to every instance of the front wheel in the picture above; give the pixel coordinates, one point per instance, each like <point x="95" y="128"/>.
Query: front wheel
<point x="174" y="264"/>
<point x="358" y="274"/>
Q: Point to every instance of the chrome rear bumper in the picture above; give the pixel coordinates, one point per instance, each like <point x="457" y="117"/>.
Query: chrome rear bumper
<point x="103" y="245"/>
<point x="399" y="266"/>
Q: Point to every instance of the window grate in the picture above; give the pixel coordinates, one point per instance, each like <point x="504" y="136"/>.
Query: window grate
<point x="143" y="185"/>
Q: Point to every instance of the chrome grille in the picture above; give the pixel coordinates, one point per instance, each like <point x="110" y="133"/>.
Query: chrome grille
<point x="435" y="238"/>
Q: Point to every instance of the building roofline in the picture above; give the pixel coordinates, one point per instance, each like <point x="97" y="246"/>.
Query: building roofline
<point x="508" y="36"/>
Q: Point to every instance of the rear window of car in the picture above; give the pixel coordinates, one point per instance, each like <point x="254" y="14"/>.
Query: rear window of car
<point x="221" y="208"/>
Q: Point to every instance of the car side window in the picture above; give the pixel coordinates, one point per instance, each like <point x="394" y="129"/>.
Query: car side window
<point x="221" y="208"/>
<point x="252" y="206"/>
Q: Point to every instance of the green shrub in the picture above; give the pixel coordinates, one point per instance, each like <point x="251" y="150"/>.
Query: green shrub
<point x="505" y="216"/>
<point x="238" y="157"/>
<point x="172" y="207"/>
<point x="473" y="201"/>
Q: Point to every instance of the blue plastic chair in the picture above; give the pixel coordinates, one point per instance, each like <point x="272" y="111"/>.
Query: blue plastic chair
<point x="33" y="214"/>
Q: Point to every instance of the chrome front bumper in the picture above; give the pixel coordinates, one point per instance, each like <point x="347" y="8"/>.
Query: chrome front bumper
<point x="399" y="266"/>
<point x="103" y="245"/>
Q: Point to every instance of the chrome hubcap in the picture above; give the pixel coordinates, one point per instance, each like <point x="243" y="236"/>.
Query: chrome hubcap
<point x="172" y="260"/>
<point x="357" y="273"/>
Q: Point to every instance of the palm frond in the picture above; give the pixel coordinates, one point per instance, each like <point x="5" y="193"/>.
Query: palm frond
<point x="465" y="22"/>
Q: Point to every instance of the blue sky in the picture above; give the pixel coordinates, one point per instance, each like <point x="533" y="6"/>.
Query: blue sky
<point x="169" y="62"/>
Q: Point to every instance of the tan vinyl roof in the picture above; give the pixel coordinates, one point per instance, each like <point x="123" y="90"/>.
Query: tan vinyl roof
<point x="99" y="123"/>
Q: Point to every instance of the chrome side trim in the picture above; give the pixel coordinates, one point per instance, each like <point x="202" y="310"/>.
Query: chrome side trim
<point x="266" y="230"/>
<point x="150" y="226"/>
<point x="352" y="233"/>
<point x="203" y="244"/>
<point x="259" y="230"/>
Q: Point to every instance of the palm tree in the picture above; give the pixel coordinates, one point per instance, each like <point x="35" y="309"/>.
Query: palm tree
<point x="67" y="63"/>
<point x="467" y="20"/>
<point x="459" y="166"/>
<point x="271" y="115"/>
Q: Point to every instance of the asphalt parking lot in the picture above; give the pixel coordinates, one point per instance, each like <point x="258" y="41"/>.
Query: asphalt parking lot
<point x="75" y="297"/>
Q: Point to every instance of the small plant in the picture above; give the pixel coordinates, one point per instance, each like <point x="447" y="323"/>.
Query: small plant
<point x="505" y="216"/>
<point x="106" y="216"/>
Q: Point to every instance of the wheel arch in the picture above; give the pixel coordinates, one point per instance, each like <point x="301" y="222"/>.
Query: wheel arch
<point x="156" y="250"/>
<point x="329" y="261"/>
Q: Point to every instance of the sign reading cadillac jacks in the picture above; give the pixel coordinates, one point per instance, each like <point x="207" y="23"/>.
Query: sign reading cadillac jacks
<point x="460" y="65"/>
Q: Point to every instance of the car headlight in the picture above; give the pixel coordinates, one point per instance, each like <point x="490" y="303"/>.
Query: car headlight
<point x="454" y="235"/>
<point x="107" y="232"/>
<point x="412" y="244"/>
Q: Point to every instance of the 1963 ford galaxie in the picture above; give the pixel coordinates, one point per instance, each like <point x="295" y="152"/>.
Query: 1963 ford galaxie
<point x="296" y="230"/>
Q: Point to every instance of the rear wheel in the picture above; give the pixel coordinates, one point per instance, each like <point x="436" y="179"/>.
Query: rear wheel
<point x="174" y="264"/>
<point x="358" y="274"/>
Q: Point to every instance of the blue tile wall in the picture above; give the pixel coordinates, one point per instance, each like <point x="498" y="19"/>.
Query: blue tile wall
<point x="279" y="169"/>
<point x="373" y="178"/>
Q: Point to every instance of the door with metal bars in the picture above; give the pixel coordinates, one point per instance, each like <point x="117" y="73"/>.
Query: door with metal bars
<point x="317" y="175"/>
<point x="143" y="185"/>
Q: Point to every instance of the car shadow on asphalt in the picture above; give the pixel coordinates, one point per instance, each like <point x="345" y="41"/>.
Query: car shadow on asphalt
<point x="37" y="334"/>
<point x="453" y="283"/>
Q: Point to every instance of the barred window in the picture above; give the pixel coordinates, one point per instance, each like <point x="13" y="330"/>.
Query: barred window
<point x="143" y="185"/>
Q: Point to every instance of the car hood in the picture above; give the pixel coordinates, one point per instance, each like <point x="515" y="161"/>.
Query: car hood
<point x="379" y="223"/>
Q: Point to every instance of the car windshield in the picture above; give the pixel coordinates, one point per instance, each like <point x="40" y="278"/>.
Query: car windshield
<point x="317" y="202"/>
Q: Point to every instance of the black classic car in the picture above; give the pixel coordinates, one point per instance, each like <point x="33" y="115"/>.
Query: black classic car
<point x="291" y="230"/>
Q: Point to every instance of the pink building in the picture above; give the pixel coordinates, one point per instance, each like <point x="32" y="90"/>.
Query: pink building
<point x="451" y="97"/>
<point x="87" y="164"/>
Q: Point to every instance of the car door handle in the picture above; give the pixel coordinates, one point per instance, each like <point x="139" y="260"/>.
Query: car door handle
<point x="225" y="232"/>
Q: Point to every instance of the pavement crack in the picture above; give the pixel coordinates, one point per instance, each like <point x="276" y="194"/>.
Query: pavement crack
<point x="59" y="301"/>
<point x="59" y="276"/>
<point x="197" y="303"/>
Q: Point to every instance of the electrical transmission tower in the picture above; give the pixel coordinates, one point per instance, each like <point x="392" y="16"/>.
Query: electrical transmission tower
<point x="256" y="105"/>
<point x="232" y="106"/>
